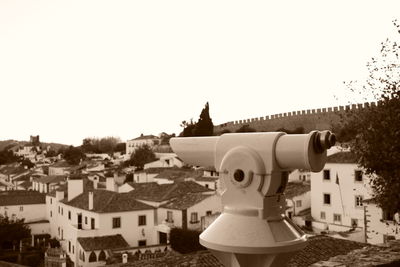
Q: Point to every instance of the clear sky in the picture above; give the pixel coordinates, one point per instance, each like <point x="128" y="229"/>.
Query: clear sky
<point x="76" y="69"/>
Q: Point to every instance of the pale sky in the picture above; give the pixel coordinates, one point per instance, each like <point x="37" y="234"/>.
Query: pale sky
<point x="76" y="69"/>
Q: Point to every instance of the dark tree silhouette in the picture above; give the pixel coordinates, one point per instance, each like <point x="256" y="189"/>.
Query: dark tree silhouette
<point x="141" y="156"/>
<point x="205" y="126"/>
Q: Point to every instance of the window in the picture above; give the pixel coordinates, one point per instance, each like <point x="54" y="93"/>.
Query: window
<point x="51" y="214"/>
<point x="354" y="223"/>
<point x="327" y="199"/>
<point x="387" y="216"/>
<point x="51" y="201"/>
<point x="116" y="222"/>
<point x="208" y="213"/>
<point x="142" y="243"/>
<point x="193" y="217"/>
<point x="102" y="256"/>
<point x="73" y="249"/>
<point x="69" y="246"/>
<point x="62" y="211"/>
<point x="327" y="174"/>
<point x="92" y="257"/>
<point x="298" y="203"/>
<point x="142" y="220"/>
<point x="358" y="176"/>
<point x="323" y="215"/>
<point x="170" y="219"/>
<point x="359" y="201"/>
<point x="69" y="215"/>
<point x="337" y="218"/>
<point x="92" y="223"/>
<point x="85" y="220"/>
<point x="21" y="208"/>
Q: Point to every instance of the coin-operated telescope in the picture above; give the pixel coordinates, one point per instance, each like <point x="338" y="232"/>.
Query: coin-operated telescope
<point x="252" y="229"/>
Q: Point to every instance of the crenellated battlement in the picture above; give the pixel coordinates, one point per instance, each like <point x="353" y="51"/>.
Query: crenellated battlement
<point x="309" y="119"/>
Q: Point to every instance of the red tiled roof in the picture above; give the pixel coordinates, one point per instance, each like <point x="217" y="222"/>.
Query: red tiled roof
<point x="185" y="201"/>
<point x="158" y="193"/>
<point x="342" y="157"/>
<point x="26" y="184"/>
<point x="51" y="179"/>
<point x="294" y="189"/>
<point x="206" y="179"/>
<point x="102" y="242"/>
<point x="21" y="197"/>
<point x="177" y="173"/>
<point x="107" y="201"/>
<point x="146" y="137"/>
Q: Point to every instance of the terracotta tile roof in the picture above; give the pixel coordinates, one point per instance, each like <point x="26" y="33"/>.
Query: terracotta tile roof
<point x="51" y="179"/>
<point x="21" y="197"/>
<point x="26" y="184"/>
<point x="342" y="157"/>
<point x="107" y="202"/>
<point x="61" y="164"/>
<point x="206" y="179"/>
<point x="145" y="137"/>
<point x="319" y="248"/>
<point x="102" y="242"/>
<point x="158" y="193"/>
<point x="185" y="201"/>
<point x="322" y="248"/>
<point x="13" y="169"/>
<point x="177" y="173"/>
<point x="294" y="189"/>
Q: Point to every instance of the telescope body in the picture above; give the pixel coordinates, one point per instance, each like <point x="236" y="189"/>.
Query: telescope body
<point x="252" y="229"/>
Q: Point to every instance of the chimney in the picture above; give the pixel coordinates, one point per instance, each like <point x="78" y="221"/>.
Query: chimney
<point x="110" y="184"/>
<point x="59" y="195"/>
<point x="124" y="258"/>
<point x="75" y="187"/>
<point x="90" y="200"/>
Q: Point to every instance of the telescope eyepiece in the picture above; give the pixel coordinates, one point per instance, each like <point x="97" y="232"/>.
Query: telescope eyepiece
<point x="323" y="140"/>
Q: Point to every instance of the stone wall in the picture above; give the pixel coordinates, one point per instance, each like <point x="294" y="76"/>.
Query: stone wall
<point x="311" y="119"/>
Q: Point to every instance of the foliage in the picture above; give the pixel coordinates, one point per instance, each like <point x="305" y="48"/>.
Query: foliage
<point x="245" y="129"/>
<point x="203" y="127"/>
<point x="73" y="155"/>
<point x="165" y="138"/>
<point x="188" y="128"/>
<point x="12" y="231"/>
<point x="141" y="156"/>
<point x="185" y="241"/>
<point x="102" y="145"/>
<point x="374" y="132"/>
<point x="7" y="156"/>
<point x="51" y="153"/>
<point x="27" y="163"/>
<point x="298" y="130"/>
<point x="120" y="147"/>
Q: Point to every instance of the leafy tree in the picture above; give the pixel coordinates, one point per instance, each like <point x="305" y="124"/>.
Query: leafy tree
<point x="102" y="145"/>
<point x="7" y="156"/>
<point x="245" y="129"/>
<point x="12" y="231"/>
<point x="205" y="126"/>
<point x="165" y="138"/>
<point x="51" y="153"/>
<point x="27" y="163"/>
<point x="141" y="156"/>
<point x="120" y="147"/>
<point x="73" y="155"/>
<point x="374" y="132"/>
<point x="188" y="128"/>
<point x="185" y="241"/>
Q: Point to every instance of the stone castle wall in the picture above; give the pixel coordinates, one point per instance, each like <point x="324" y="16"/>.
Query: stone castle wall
<point x="311" y="119"/>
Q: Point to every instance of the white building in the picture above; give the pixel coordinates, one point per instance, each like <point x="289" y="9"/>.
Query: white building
<point x="28" y="205"/>
<point x="133" y="144"/>
<point x="77" y="213"/>
<point x="381" y="225"/>
<point x="49" y="183"/>
<point x="60" y="168"/>
<point x="165" y="162"/>
<point x="298" y="201"/>
<point x="337" y="195"/>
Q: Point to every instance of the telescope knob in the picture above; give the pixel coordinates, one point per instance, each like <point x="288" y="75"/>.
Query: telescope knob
<point x="324" y="140"/>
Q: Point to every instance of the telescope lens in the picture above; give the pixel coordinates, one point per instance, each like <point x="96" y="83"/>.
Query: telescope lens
<point x="238" y="175"/>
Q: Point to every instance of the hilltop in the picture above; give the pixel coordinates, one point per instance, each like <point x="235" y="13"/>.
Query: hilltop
<point x="14" y="144"/>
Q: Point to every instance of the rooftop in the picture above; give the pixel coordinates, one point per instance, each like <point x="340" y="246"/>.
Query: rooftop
<point x="102" y="242"/>
<point x="21" y="197"/>
<point x="185" y="201"/>
<point x="156" y="192"/>
<point x="51" y="179"/>
<point x="342" y="157"/>
<point x="142" y="137"/>
<point x="177" y="173"/>
<point x="318" y="248"/>
<point x="294" y="189"/>
<point x="107" y="202"/>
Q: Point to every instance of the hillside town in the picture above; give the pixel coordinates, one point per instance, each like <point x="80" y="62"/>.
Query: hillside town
<point x="102" y="212"/>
